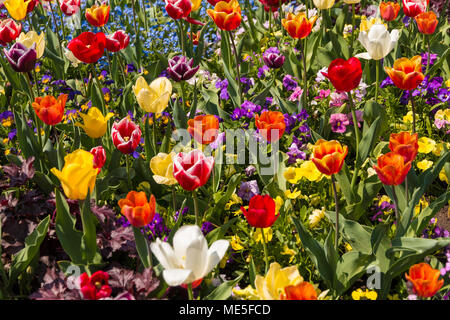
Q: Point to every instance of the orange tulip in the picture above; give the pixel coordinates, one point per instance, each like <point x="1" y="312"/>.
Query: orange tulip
<point x="204" y="128"/>
<point x="137" y="209"/>
<point x="49" y="109"/>
<point x="392" y="169"/>
<point x="98" y="16"/>
<point x="302" y="291"/>
<point x="405" y="144"/>
<point x="406" y="73"/>
<point x="389" y="10"/>
<point x="298" y="26"/>
<point x="426" y="22"/>
<point x="328" y="156"/>
<point x="195" y="37"/>
<point x="424" y="279"/>
<point x="226" y="15"/>
<point x="271" y="125"/>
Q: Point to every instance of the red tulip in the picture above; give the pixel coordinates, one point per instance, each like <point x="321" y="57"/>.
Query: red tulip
<point x="412" y="8"/>
<point x="9" y="31"/>
<point x="88" y="47"/>
<point x="99" y="157"/>
<point x="117" y="41"/>
<point x="96" y="286"/>
<point x="204" y="128"/>
<point x="261" y="211"/>
<point x="405" y="144"/>
<point x="192" y="170"/>
<point x="69" y="7"/>
<point x="98" y="16"/>
<point x="49" y="109"/>
<point x="178" y="9"/>
<point x="425" y="279"/>
<point x="126" y="135"/>
<point x="392" y="168"/>
<point x="31" y="5"/>
<point x="345" y="75"/>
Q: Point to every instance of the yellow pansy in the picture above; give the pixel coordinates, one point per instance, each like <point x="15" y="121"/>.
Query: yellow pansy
<point x="293" y="194"/>
<point x="367" y="24"/>
<point x="268" y="234"/>
<point x="234" y="199"/>
<point x="309" y="170"/>
<point x="288" y="252"/>
<point x="442" y="114"/>
<point x="246" y="294"/>
<point x="364" y="295"/>
<point x="272" y="285"/>
<point x="424" y="164"/>
<point x="30" y="38"/>
<point x="408" y="118"/>
<point x="154" y="97"/>
<point x="278" y="204"/>
<point x="95" y="124"/>
<point x="162" y="168"/>
<point x="420" y="206"/>
<point x="443" y="176"/>
<point x="348" y="247"/>
<point x="292" y="175"/>
<point x="196" y="4"/>
<point x="426" y="145"/>
<point x="78" y="174"/>
<point x="17" y="9"/>
<point x="315" y="217"/>
<point x="447" y="83"/>
<point x="384" y="198"/>
<point x="438" y="149"/>
<point x="236" y="243"/>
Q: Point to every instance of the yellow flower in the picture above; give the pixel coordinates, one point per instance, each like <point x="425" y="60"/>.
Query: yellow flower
<point x="420" y="206"/>
<point x="272" y="285"/>
<point x="154" y="97"/>
<point x="236" y="243"/>
<point x="288" y="252"/>
<point x="352" y="1"/>
<point x="367" y="24"/>
<point x="442" y="115"/>
<point x="268" y="234"/>
<point x="196" y="4"/>
<point x="78" y="174"/>
<point x="384" y="198"/>
<point x="234" y="199"/>
<point x="408" y="118"/>
<point x="95" y="124"/>
<point x="424" y="164"/>
<point x="17" y="8"/>
<point x="309" y="170"/>
<point x="7" y="122"/>
<point x="30" y="38"/>
<point x="447" y="83"/>
<point x="323" y="4"/>
<point x="293" y="194"/>
<point x="364" y="295"/>
<point x="162" y="168"/>
<point x="443" y="176"/>
<point x="426" y="145"/>
<point x="247" y="294"/>
<point x="292" y="175"/>
<point x="438" y="149"/>
<point x="315" y="217"/>
<point x="278" y="204"/>
<point x="348" y="247"/>
<point x="347" y="30"/>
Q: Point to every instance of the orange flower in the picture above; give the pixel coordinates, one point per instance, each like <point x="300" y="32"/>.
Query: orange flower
<point x="98" y="16"/>
<point x="49" y="109"/>
<point x="271" y="125"/>
<point x="204" y="128"/>
<point x="392" y="169"/>
<point x="405" y="144"/>
<point x="389" y="10"/>
<point x="226" y="15"/>
<point x="328" y="156"/>
<point x="195" y="37"/>
<point x="302" y="291"/>
<point x="406" y="73"/>
<point x="298" y="26"/>
<point x="137" y="209"/>
<point x="424" y="279"/>
<point x="426" y="22"/>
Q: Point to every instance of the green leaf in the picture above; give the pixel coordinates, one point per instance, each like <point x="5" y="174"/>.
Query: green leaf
<point x="142" y="247"/>
<point x="89" y="238"/>
<point x="350" y="268"/>
<point x="368" y="141"/>
<point x="179" y="116"/>
<point x="178" y="224"/>
<point x="223" y="292"/>
<point x="219" y="233"/>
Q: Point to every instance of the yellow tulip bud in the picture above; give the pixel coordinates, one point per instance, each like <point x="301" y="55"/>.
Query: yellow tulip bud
<point x="154" y="97"/>
<point x="95" y="124"/>
<point x="17" y="8"/>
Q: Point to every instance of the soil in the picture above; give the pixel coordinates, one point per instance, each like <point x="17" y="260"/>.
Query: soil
<point x="443" y="218"/>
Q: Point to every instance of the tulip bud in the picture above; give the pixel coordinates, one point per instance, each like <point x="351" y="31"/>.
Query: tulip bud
<point x="180" y="68"/>
<point x="99" y="157"/>
<point x="21" y="58"/>
<point x="272" y="58"/>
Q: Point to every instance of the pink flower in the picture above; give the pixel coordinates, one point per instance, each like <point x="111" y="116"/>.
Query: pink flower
<point x="296" y="95"/>
<point x="338" y="98"/>
<point x="192" y="170"/>
<point x="126" y="135"/>
<point x="339" y="122"/>
<point x="96" y="286"/>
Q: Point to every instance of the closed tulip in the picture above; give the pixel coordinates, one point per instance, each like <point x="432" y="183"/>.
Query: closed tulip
<point x="425" y="280"/>
<point x="345" y="75"/>
<point x="392" y="168"/>
<point x="426" y="22"/>
<point x="126" y="135"/>
<point x="17" y="9"/>
<point x="137" y="209"/>
<point x="98" y="16"/>
<point x="378" y="42"/>
<point x="329" y="156"/>
<point x="88" y="47"/>
<point x="9" y="31"/>
<point x="405" y="144"/>
<point x="323" y="4"/>
<point x="49" y="109"/>
<point x="192" y="170"/>
<point x="273" y="58"/>
<point x="204" y="128"/>
<point x="406" y="73"/>
<point x="261" y="212"/>
<point x="30" y="38"/>
<point x="181" y="68"/>
<point x="162" y="168"/>
<point x="226" y="15"/>
<point x="389" y="10"/>
<point x="271" y="125"/>
<point x="21" y="58"/>
<point x="154" y="97"/>
<point x="178" y="9"/>
<point x="69" y="7"/>
<point x="99" y="157"/>
<point x="189" y="259"/>
<point x="95" y="124"/>
<point x="119" y="40"/>
<point x="298" y="26"/>
<point x="78" y="174"/>
<point x="412" y="8"/>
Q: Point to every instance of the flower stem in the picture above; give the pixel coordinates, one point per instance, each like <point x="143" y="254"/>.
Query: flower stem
<point x="266" y="257"/>
<point x="174" y="201"/>
<point x="197" y="220"/>
<point x="429" y="53"/>
<point x="413" y="107"/>
<point x="237" y="64"/>
<point x="377" y="81"/>
<point x="397" y="216"/>
<point x="100" y="88"/>
<point x="154" y="131"/>
<point x="128" y="171"/>
<point x="353" y="30"/>
<point x="357" y="138"/>
<point x="336" y="205"/>
<point x="190" y="292"/>
<point x="303" y="52"/>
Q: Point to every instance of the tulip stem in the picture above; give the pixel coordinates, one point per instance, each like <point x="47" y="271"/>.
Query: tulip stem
<point x="62" y="23"/>
<point x="266" y="257"/>
<point x="353" y="29"/>
<point x="57" y="33"/>
<point x="197" y="220"/>
<point x="429" y="53"/>
<point x="413" y="107"/>
<point x="128" y="170"/>
<point x="154" y="131"/>
<point x="237" y="64"/>
<point x="36" y="119"/>
<point x="134" y="19"/>
<point x="99" y="87"/>
<point x="174" y="201"/>
<point x="305" y="89"/>
<point x="336" y="205"/>
<point x="183" y="94"/>
<point x="377" y="79"/>
<point x="357" y="138"/>
<point x="406" y="190"/>
<point x="397" y="217"/>
<point x="190" y="292"/>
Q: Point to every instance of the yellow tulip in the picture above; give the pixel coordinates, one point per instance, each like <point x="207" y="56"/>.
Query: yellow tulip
<point x="17" y="8"/>
<point x="367" y="24"/>
<point x="154" y="97"/>
<point x="78" y="174"/>
<point x="162" y="168"/>
<point x="272" y="285"/>
<point x="352" y="1"/>
<point x="196" y="4"/>
<point x="95" y="123"/>
<point x="323" y="4"/>
<point x="30" y="38"/>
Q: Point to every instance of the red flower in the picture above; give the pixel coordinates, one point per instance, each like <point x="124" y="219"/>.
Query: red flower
<point x="49" y="109"/>
<point x="31" y="5"/>
<point x="96" y="286"/>
<point x="69" y="7"/>
<point x="137" y="209"/>
<point x="405" y="144"/>
<point x="302" y="291"/>
<point x="178" y="9"/>
<point x="9" y="31"/>
<point x="345" y="75"/>
<point x="412" y="8"/>
<point x="270" y="125"/>
<point x="88" y="47"/>
<point x="126" y="135"/>
<point x="392" y="168"/>
<point x="192" y="170"/>
<point x="424" y="279"/>
<point x="99" y="157"/>
<point x="261" y="211"/>
<point x="117" y="41"/>
<point x="98" y="16"/>
<point x="204" y="128"/>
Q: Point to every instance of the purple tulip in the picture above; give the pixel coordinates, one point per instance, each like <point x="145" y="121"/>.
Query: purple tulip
<point x="272" y="58"/>
<point x="180" y="68"/>
<point x="20" y="57"/>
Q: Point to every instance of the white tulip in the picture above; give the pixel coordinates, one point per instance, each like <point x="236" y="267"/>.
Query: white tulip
<point x="189" y="259"/>
<point x="378" y="42"/>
